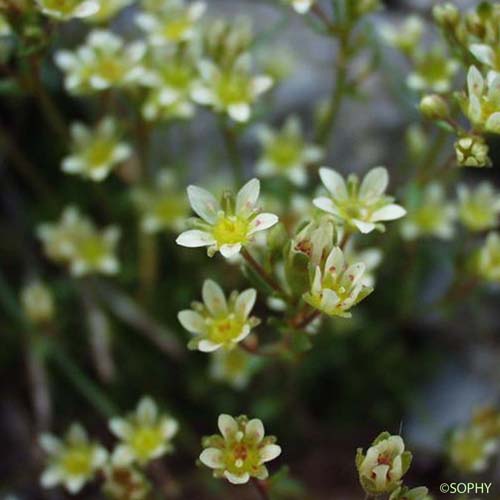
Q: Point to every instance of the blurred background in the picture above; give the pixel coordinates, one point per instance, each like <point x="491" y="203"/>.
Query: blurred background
<point x="405" y="363"/>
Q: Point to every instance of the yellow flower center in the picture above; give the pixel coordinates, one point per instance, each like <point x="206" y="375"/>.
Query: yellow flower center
<point x="146" y="440"/>
<point x="229" y="230"/>
<point x="100" y="153"/>
<point x="241" y="457"/>
<point x="285" y="152"/>
<point x="78" y="461"/>
<point x="176" y="29"/>
<point x="63" y="6"/>
<point x="92" y="248"/>
<point x="225" y="329"/>
<point x="233" y="89"/>
<point x="111" y="68"/>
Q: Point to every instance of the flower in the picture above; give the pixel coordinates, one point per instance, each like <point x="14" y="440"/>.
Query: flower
<point x="338" y="287"/>
<point x="217" y="322"/>
<point x="434" y="71"/>
<point x="470" y="449"/>
<point x="37" y="302"/>
<point x="488" y="258"/>
<point x="406" y="37"/>
<point x="370" y="257"/>
<point x="301" y="6"/>
<point x="104" y="61"/>
<point x="472" y="151"/>
<point x="481" y="105"/>
<point x="75" y="241"/>
<point x="234" y="367"/>
<point x="174" y="23"/>
<point x="95" y="152"/>
<point x="144" y="435"/>
<point x="433" y="216"/>
<point x="107" y="10"/>
<point x="486" y="54"/>
<point x="478" y="209"/>
<point x="162" y="206"/>
<point x="125" y="483"/>
<point x="229" y="226"/>
<point x="172" y="79"/>
<point x="242" y="450"/>
<point x="285" y="152"/>
<point x="383" y="466"/>
<point x="72" y="461"/>
<point x="230" y="90"/>
<point x="63" y="10"/>
<point x="360" y="206"/>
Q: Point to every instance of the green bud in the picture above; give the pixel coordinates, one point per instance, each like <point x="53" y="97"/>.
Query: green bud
<point x="446" y="14"/>
<point x="472" y="151"/>
<point x="434" y="107"/>
<point x="37" y="303"/>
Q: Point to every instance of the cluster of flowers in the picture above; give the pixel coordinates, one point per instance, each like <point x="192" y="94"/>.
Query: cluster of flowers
<point x="472" y="447"/>
<point x="238" y="454"/>
<point x="472" y="39"/>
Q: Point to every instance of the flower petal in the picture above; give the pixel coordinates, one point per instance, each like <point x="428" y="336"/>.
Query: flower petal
<point x="120" y="427"/>
<point x="147" y="410"/>
<point x="227" y="426"/>
<point x="334" y="182"/>
<point x="247" y="197"/>
<point x="363" y="226"/>
<point x="255" y="430"/>
<point x="389" y="212"/>
<point x="234" y="479"/>
<point x="263" y="221"/>
<point x="229" y="251"/>
<point x="327" y="205"/>
<point x="245" y="302"/>
<point x="203" y="203"/>
<point x="214" y="298"/>
<point x="213" y="458"/>
<point x="192" y="321"/>
<point x="374" y="184"/>
<point x="208" y="346"/>
<point x="269" y="452"/>
<point x="195" y="238"/>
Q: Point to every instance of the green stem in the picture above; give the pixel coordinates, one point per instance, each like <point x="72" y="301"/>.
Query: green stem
<point x="230" y="137"/>
<point x="327" y="125"/>
<point x="262" y="272"/>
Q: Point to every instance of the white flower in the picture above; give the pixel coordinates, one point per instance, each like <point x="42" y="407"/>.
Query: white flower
<point x="226" y="228"/>
<point x="63" y="10"/>
<point x="104" y="61"/>
<point x="107" y="10"/>
<point x="486" y="54"/>
<point x="230" y="90"/>
<point x="95" y="152"/>
<point x="75" y="241"/>
<point x="242" y="450"/>
<point x="144" y="435"/>
<point x="405" y="37"/>
<point x="488" y="258"/>
<point x="478" y="209"/>
<point x="285" y="152"/>
<point x="173" y="24"/>
<point x="337" y="287"/>
<point x="234" y="367"/>
<point x="433" y="216"/>
<point x="217" y="322"/>
<point x="482" y="103"/>
<point x="470" y="449"/>
<point x="361" y="206"/>
<point x="301" y="6"/>
<point x="73" y="461"/>
<point x="384" y="464"/>
<point x="163" y="206"/>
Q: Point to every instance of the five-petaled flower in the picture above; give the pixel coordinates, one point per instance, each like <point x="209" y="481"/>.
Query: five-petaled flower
<point x="242" y="450"/>
<point x="488" y="258"/>
<point x="144" y="435"/>
<point x="362" y="206"/>
<point x="383" y="466"/>
<point x="478" y="209"/>
<point x="230" y="90"/>
<point x="228" y="226"/>
<point x="218" y="322"/>
<point x="481" y="105"/>
<point x="72" y="461"/>
<point x="286" y="153"/>
<point x="75" y="241"/>
<point x="337" y="287"/>
<point x="95" y="152"/>
<point x="63" y="10"/>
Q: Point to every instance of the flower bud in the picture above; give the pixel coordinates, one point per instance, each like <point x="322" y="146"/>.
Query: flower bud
<point x="37" y="303"/>
<point x="446" y="14"/>
<point x="434" y="107"/>
<point x="472" y="151"/>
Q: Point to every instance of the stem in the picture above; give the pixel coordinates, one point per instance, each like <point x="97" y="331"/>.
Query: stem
<point x="262" y="272"/>
<point x="261" y="488"/>
<point x="317" y="10"/>
<point x="302" y="319"/>
<point x="325" y="129"/>
<point x="231" y="142"/>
